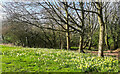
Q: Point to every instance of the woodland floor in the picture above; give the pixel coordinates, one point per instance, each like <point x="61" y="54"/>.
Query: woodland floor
<point x="24" y="59"/>
<point x="108" y="53"/>
<point x="115" y="53"/>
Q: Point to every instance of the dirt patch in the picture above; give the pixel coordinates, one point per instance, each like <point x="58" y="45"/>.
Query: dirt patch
<point x="108" y="53"/>
<point x="7" y="44"/>
<point x="117" y="50"/>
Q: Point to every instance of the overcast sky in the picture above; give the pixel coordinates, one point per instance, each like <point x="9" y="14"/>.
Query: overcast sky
<point x="0" y="12"/>
<point x="0" y="22"/>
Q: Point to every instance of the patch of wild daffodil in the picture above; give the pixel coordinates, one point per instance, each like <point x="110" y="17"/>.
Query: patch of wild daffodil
<point x="54" y="60"/>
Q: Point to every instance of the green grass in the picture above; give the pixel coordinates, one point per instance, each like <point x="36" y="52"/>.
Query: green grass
<point x="76" y="48"/>
<point x="18" y="59"/>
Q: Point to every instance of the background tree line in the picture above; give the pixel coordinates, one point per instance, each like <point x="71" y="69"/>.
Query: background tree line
<point x="62" y="25"/>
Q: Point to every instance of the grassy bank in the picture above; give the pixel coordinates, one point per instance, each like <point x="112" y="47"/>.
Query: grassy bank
<point x="17" y="59"/>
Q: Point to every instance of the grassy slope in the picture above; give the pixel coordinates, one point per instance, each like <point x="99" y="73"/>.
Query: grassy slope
<point x="16" y="59"/>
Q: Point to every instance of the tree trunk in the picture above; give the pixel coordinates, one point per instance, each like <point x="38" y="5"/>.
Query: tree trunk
<point x="68" y="37"/>
<point x="67" y="28"/>
<point x="81" y="45"/>
<point x="107" y="42"/>
<point x="101" y="40"/>
<point x="106" y="37"/>
<point x="54" y="38"/>
<point x="90" y="43"/>
<point x="82" y="34"/>
<point x="61" y="46"/>
<point x="101" y="25"/>
<point x="106" y="32"/>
